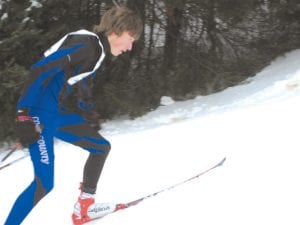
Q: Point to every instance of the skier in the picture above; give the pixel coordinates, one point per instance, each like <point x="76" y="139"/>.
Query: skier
<point x="42" y="114"/>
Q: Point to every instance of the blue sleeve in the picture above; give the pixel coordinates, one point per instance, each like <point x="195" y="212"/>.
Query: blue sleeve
<point x="41" y="73"/>
<point x="76" y="55"/>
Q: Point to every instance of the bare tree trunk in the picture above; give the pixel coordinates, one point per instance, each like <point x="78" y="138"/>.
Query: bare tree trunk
<point x="151" y="9"/>
<point x="173" y="17"/>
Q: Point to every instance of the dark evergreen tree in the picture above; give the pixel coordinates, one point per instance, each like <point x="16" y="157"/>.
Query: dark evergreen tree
<point x="189" y="48"/>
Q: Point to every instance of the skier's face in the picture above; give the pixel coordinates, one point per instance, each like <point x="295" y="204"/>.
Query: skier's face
<point x="120" y="44"/>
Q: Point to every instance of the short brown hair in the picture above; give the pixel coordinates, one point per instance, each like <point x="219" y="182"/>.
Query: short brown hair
<point x="119" y="19"/>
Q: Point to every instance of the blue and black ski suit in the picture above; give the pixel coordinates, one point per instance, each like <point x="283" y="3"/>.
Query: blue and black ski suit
<point x="70" y="61"/>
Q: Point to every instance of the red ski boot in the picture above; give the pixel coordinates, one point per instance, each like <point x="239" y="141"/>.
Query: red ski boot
<point x="80" y="213"/>
<point x="85" y="209"/>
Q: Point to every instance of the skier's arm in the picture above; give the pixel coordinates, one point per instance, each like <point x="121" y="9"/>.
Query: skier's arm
<point x="76" y="55"/>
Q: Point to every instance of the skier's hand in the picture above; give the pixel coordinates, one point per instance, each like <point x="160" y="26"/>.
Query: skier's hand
<point x="26" y="130"/>
<point x="93" y="118"/>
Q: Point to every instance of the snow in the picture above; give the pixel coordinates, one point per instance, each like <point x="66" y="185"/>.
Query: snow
<point x="4" y="16"/>
<point x="34" y="4"/>
<point x="25" y="19"/>
<point x="166" y="100"/>
<point x="254" y="125"/>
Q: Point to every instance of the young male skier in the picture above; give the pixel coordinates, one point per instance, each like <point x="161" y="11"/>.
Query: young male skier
<point x="41" y="114"/>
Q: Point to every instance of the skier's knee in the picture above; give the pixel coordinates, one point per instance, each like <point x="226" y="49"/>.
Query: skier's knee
<point x="107" y="147"/>
<point x="103" y="148"/>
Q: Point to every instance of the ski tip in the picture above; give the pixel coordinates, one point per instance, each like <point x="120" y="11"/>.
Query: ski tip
<point x="222" y="161"/>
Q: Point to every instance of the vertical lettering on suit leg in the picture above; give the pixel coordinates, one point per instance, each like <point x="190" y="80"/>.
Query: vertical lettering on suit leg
<point x="44" y="157"/>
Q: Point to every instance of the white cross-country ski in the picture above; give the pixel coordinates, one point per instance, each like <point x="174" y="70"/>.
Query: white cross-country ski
<point x="109" y="208"/>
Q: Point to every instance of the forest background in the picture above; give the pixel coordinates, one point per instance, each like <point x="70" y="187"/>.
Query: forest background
<point x="188" y="48"/>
